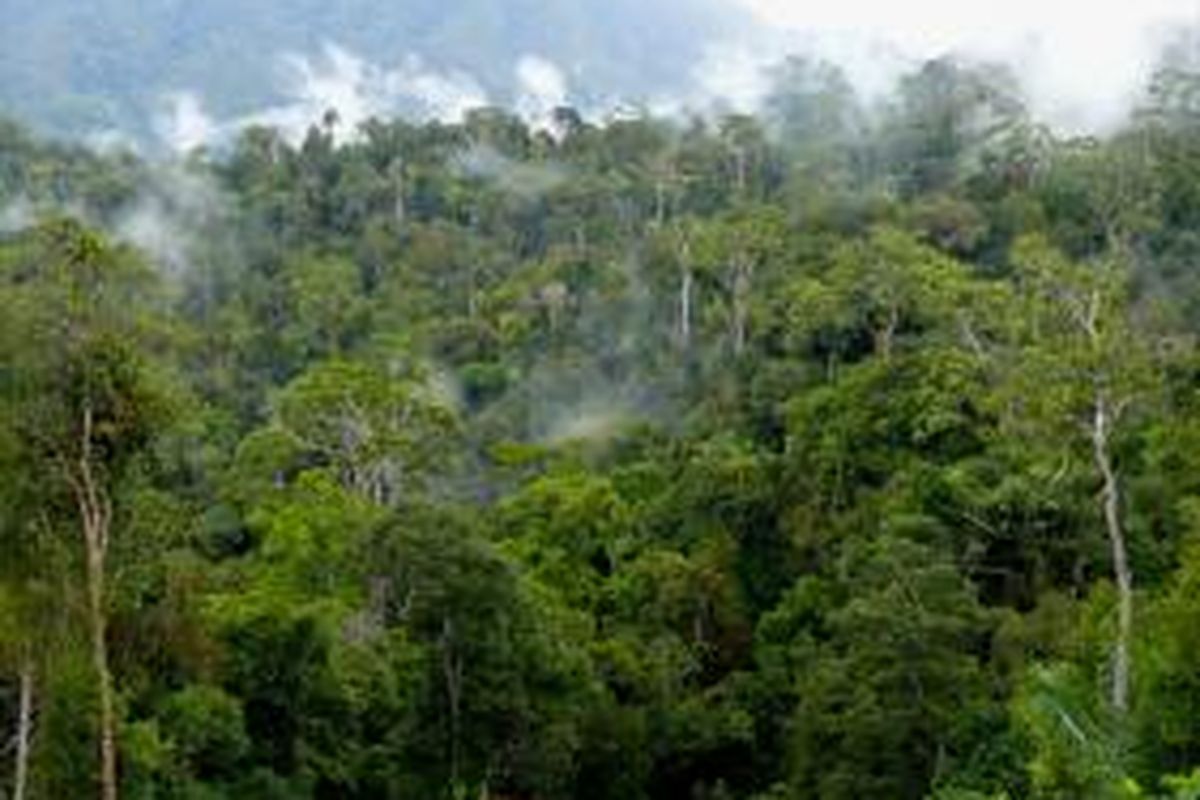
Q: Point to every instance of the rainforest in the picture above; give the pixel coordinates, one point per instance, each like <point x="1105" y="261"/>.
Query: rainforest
<point x="844" y="448"/>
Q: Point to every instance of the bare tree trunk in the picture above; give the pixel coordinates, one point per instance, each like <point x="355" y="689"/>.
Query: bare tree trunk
<point x="400" y="207"/>
<point x="685" y="304"/>
<point x="885" y="335"/>
<point x="108" y="743"/>
<point x="1116" y="536"/>
<point x="452" y="669"/>
<point x="741" y="306"/>
<point x="24" y="730"/>
<point x="739" y="160"/>
<point x="95" y="511"/>
<point x="686" y="281"/>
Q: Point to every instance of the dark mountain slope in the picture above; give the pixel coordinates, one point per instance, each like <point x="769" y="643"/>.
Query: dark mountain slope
<point x="71" y="67"/>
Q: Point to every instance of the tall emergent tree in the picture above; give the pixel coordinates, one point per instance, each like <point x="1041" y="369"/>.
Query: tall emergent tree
<point x="1080" y="369"/>
<point x="84" y="403"/>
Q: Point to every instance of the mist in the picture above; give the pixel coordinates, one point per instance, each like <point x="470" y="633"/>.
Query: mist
<point x="334" y="80"/>
<point x="523" y="179"/>
<point x="173" y="211"/>
<point x="16" y="215"/>
<point x="1082" y="65"/>
<point x="340" y="81"/>
<point x="1079" y="78"/>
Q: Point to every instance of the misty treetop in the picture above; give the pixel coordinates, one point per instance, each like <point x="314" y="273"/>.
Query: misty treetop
<point x="846" y="451"/>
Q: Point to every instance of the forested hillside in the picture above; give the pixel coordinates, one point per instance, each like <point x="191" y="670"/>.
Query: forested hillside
<point x="846" y="452"/>
<point x="108" y="65"/>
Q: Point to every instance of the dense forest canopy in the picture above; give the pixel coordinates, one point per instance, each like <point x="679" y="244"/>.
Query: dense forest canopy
<point x="842" y="451"/>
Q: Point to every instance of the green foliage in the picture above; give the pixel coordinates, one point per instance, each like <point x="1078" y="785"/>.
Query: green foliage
<point x="892" y="692"/>
<point x="734" y="459"/>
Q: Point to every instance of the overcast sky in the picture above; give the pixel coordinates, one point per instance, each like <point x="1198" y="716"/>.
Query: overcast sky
<point x="1081" y="59"/>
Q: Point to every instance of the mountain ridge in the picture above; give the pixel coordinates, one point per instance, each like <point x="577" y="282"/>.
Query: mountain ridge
<point x="73" y="69"/>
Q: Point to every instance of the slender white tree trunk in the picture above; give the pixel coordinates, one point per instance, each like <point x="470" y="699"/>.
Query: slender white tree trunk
<point x="741" y="305"/>
<point x="24" y="730"/>
<point x="686" y="281"/>
<point x="95" y="512"/>
<point x="99" y="629"/>
<point x="1123" y="574"/>
<point x="685" y="306"/>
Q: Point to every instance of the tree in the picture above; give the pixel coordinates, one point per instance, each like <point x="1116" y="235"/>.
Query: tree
<point x="381" y="429"/>
<point x="1079" y="368"/>
<point x="947" y="116"/>
<point x="813" y="107"/>
<point x="891" y="692"/>
<point x="86" y="402"/>
<point x="881" y="288"/>
<point x="733" y="249"/>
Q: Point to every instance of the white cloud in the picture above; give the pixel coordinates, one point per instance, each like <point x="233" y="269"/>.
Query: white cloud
<point x="520" y="178"/>
<point x="1081" y="64"/>
<point x="1081" y="60"/>
<point x="446" y="96"/>
<point x="185" y="125"/>
<point x="734" y="76"/>
<point x="174" y="206"/>
<point x="18" y="215"/>
<point x="343" y="82"/>
<point x="339" y="81"/>
<point x="541" y="88"/>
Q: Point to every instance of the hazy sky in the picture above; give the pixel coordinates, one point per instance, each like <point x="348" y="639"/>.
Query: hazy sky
<point x="1081" y="59"/>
